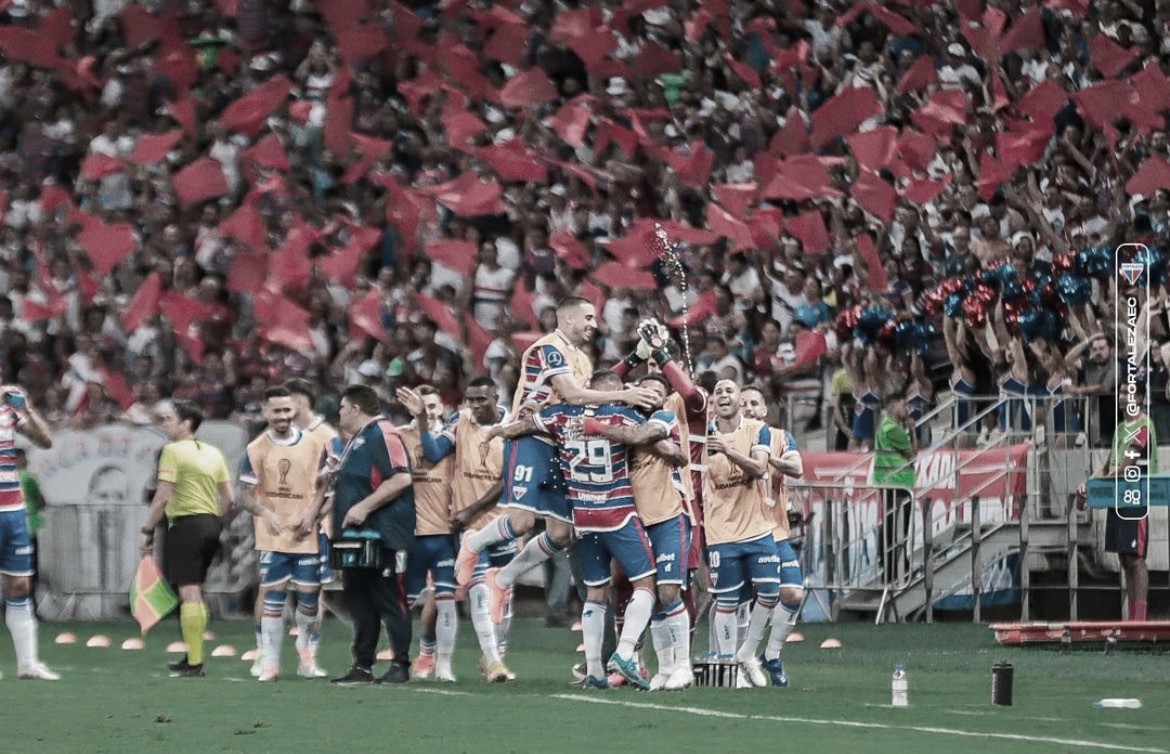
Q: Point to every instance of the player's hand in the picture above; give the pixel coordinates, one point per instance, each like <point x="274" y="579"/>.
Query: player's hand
<point x="640" y="397"/>
<point x="306" y="526"/>
<point x="528" y="409"/>
<point x="354" y="517"/>
<point x="651" y="333"/>
<point x="275" y="526"/>
<point x="715" y="445"/>
<point x="146" y="543"/>
<point x="459" y="519"/>
<point x="1082" y="496"/>
<point x="410" y="400"/>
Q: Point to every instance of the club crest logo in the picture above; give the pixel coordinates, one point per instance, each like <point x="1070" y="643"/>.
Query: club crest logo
<point x="283" y="466"/>
<point x="518" y="493"/>
<point x="1131" y="271"/>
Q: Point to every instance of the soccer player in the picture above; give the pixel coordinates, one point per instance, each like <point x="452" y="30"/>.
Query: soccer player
<point x="554" y="368"/>
<point x="17" y="415"/>
<point x="195" y="493"/>
<point x="597" y="476"/>
<point x="740" y="546"/>
<point x="280" y="479"/>
<point x="374" y="491"/>
<point x="479" y="466"/>
<point x="433" y="552"/>
<point x="659" y="498"/>
<point x="1135" y="445"/>
<point x="304" y="397"/>
<point x="786" y="463"/>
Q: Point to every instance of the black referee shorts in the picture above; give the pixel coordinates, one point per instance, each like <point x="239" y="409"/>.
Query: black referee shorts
<point x="1129" y="535"/>
<point x="192" y="543"/>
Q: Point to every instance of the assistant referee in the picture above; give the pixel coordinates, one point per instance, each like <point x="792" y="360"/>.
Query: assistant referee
<point x="195" y="493"/>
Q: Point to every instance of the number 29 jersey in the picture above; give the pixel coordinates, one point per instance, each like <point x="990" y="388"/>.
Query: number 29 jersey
<point x="596" y="469"/>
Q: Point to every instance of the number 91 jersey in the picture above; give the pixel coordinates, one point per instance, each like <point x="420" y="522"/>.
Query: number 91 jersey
<point x="596" y="469"/>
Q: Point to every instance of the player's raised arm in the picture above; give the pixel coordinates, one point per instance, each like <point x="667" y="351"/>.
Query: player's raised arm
<point x="29" y="422"/>
<point x="512" y="430"/>
<point x="642" y="434"/>
<point x="575" y="395"/>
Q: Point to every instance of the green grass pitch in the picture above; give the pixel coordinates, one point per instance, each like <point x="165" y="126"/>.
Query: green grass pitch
<point x="112" y="700"/>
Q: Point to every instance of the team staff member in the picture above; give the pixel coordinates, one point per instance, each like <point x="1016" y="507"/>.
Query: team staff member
<point x="16" y="551"/>
<point x="195" y="493"/>
<point x="373" y="490"/>
<point x="895" y="448"/>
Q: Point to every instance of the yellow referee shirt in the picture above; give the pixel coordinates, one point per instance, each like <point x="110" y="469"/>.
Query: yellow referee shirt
<point x="196" y="469"/>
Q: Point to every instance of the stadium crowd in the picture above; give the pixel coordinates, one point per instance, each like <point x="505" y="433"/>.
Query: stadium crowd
<point x="203" y="196"/>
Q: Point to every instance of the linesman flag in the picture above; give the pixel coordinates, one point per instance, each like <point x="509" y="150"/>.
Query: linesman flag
<point x="151" y="598"/>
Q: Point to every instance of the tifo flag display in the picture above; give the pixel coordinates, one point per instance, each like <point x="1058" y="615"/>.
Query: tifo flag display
<point x="151" y="598"/>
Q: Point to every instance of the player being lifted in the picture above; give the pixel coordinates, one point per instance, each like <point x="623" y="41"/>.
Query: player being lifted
<point x="478" y="467"/>
<point x="596" y="472"/>
<point x="659" y="495"/>
<point x="553" y="370"/>
<point x="433" y="552"/>
<point x="786" y="463"/>
<point x="740" y="546"/>
<point x="281" y="489"/>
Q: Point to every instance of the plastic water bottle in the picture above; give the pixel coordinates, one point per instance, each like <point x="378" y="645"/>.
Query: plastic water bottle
<point x="1118" y="704"/>
<point x="900" y="687"/>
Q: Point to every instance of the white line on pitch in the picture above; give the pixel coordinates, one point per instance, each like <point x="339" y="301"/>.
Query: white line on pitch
<point x="700" y="711"/>
<point x="440" y="692"/>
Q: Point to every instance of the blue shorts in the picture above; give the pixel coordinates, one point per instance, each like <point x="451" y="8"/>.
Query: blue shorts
<point x="433" y="554"/>
<point x="533" y="480"/>
<point x="16" y="550"/>
<point x="671" y="542"/>
<point x="733" y="564"/>
<point x="495" y="556"/>
<point x="629" y="546"/>
<point x="277" y="568"/>
<point x="790" y="572"/>
<point x="324" y="569"/>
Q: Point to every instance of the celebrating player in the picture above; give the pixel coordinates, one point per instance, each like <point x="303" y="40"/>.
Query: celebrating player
<point x="281" y="483"/>
<point x="786" y="464"/>
<point x="434" y="546"/>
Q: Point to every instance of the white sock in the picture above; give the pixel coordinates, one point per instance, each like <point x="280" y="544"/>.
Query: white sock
<point x="679" y="626"/>
<point x="712" y="635"/>
<point x="538" y="550"/>
<point x="593" y="635"/>
<point x="22" y="624"/>
<point x="757" y="627"/>
<point x="663" y="644"/>
<point x="637" y="617"/>
<point x="783" y="621"/>
<point x="271" y="635"/>
<point x="305" y="624"/>
<point x="725" y="642"/>
<point x="446" y="629"/>
<point x="497" y="531"/>
<point x="743" y="618"/>
<point x="504" y="628"/>
<point x="481" y="619"/>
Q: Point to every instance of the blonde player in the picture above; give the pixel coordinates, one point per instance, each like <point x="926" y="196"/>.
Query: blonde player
<point x="786" y="464"/>
<point x="281" y="489"/>
<point x="433" y="552"/>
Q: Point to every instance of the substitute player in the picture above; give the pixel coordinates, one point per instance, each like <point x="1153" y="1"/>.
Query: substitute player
<point x="554" y="368"/>
<point x="281" y="485"/>
<point x="786" y="464"/>
<point x="479" y="464"/>
<point x="740" y="546"/>
<point x="433" y="552"/>
<point x="17" y="416"/>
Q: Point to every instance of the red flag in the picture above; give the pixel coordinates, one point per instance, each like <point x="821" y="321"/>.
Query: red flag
<point x="1103" y="101"/>
<point x="608" y="131"/>
<point x="460" y="256"/>
<point x="360" y="42"/>
<point x="571" y="23"/>
<point x="1043" y="101"/>
<point x="874" y="195"/>
<point x="793" y="138"/>
<point x="569" y="249"/>
<point x="594" y="47"/>
<point x="532" y="87"/>
<point x="1153" y="174"/>
<point x="1108" y="57"/>
<point x="182" y="310"/>
<point x="439" y="313"/>
<point x="721" y="222"/>
<point x="116" y="387"/>
<point x="704" y="306"/>
<point x="508" y="44"/>
<point x="809" y="227"/>
<point x="877" y="274"/>
<point x="916" y="148"/>
<point x="249" y="112"/>
<point x="512" y="164"/>
<point x="895" y="23"/>
<point x="695" y="27"/>
<point x="98" y="166"/>
<point x="522" y="304"/>
<point x="365" y="315"/>
<point x="922" y="191"/>
<point x="918" y="76"/>
<point x="695" y="169"/>
<point x="1023" y="147"/>
<point x="676" y="231"/>
<point x="874" y="149"/>
<point x="800" y="178"/>
<point x="462" y="127"/>
<point x="522" y="340"/>
<point x="342" y="265"/>
<point x="843" y="113"/>
<point x="1025" y="32"/>
<point x="248" y="273"/>
<point x="107" y="244"/>
<point x="139" y="25"/>
<point x="745" y="72"/>
<point x="572" y="121"/>
<point x="617" y="275"/>
<point x="177" y="64"/>
<point x="27" y="45"/>
<point x="478" y="340"/>
<point x="144" y="303"/>
<point x="736" y="198"/>
<point x="994" y="20"/>
<point x="592" y="294"/>
<point x="655" y="59"/>
<point x="267" y="153"/>
<point x="810" y="345"/>
<point x="183" y="112"/>
<point x="1153" y="88"/>
<point x="246" y="226"/>
<point x="34" y="311"/>
<point x="203" y="179"/>
<point x="152" y="148"/>
<point x="468" y="196"/>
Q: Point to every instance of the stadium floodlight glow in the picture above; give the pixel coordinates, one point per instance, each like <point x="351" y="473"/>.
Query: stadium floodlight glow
<point x="1131" y="490"/>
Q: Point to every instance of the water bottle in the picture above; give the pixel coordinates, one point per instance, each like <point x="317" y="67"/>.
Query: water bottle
<point x="1118" y="704"/>
<point x="900" y="687"/>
